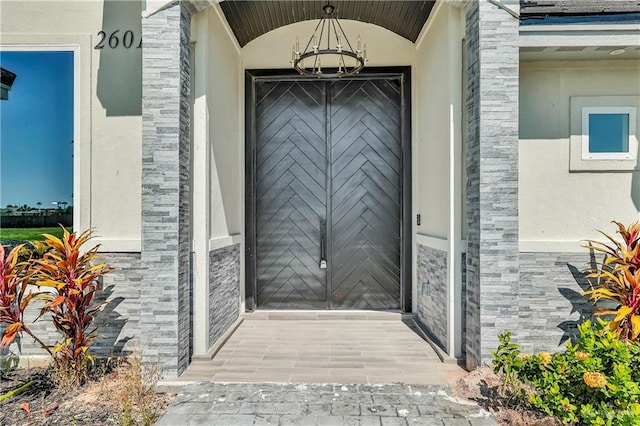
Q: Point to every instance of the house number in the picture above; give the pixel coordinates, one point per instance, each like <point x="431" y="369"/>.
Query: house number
<point x="117" y="38"/>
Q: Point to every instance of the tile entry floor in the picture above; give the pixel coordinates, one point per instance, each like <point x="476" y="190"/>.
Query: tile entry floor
<point x="366" y="348"/>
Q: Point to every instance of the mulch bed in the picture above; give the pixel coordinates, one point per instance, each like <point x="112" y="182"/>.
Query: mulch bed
<point x="96" y="403"/>
<point x="484" y="387"/>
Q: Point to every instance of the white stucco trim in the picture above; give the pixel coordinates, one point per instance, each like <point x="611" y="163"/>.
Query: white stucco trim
<point x="438" y="243"/>
<point x="80" y="45"/>
<point x="226" y="241"/>
<point x="432" y="17"/>
<point x="540" y="246"/>
<point x="580" y="35"/>
<point x="201" y="190"/>
<point x="227" y="28"/>
<point x="108" y="245"/>
<point x="632" y="147"/>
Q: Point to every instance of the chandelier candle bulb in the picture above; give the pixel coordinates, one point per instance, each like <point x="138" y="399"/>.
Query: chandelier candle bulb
<point x="297" y="46"/>
<point x="365" y="52"/>
<point x="359" y="43"/>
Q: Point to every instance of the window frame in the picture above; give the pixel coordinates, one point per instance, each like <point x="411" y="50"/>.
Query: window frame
<point x="630" y="154"/>
<point x="75" y="49"/>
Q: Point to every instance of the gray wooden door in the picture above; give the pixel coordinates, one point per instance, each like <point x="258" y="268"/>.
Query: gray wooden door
<point x="366" y="188"/>
<point x="328" y="176"/>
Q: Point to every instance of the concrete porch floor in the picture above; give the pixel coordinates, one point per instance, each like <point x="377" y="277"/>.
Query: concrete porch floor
<point x="324" y="347"/>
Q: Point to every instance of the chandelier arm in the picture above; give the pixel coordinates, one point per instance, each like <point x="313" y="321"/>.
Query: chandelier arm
<point x="311" y="38"/>
<point x="321" y="33"/>
<point x="344" y="35"/>
<point x="335" y="32"/>
<point x="329" y="34"/>
<point x="344" y="63"/>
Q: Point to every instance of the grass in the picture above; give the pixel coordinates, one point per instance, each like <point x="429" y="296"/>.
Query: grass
<point x="29" y="234"/>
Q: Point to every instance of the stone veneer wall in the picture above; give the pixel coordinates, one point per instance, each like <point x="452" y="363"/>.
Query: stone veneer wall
<point x="551" y="303"/>
<point x="119" y="321"/>
<point x="463" y="306"/>
<point x="165" y="290"/>
<point x="224" y="290"/>
<point x="431" y="299"/>
<point x="492" y="58"/>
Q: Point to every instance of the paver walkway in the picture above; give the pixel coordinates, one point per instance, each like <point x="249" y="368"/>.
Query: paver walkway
<point x="232" y="404"/>
<point x="263" y="375"/>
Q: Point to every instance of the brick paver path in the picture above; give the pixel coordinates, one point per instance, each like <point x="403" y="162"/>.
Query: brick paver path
<point x="232" y="404"/>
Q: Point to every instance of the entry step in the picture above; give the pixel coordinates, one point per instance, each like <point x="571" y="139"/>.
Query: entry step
<point x="328" y="315"/>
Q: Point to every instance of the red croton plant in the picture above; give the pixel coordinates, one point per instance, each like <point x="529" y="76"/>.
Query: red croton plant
<point x="74" y="275"/>
<point x="71" y="276"/>
<point x="14" y="297"/>
<point x="618" y="279"/>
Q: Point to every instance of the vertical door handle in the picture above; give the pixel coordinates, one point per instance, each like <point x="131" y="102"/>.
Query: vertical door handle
<point x="323" y="244"/>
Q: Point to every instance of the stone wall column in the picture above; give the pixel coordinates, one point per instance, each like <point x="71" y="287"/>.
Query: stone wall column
<point x="492" y="177"/>
<point x="165" y="299"/>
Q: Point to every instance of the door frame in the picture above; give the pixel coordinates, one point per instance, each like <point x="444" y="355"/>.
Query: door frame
<point x="252" y="77"/>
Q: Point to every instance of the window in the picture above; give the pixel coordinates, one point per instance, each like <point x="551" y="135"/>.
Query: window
<point x="38" y="129"/>
<point x="607" y="133"/>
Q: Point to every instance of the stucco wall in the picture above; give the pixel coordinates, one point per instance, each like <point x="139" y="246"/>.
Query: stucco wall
<point x="109" y="109"/>
<point x="432" y="115"/>
<point x="225" y="100"/>
<point x="437" y="173"/>
<point x="273" y="49"/>
<point x="558" y="207"/>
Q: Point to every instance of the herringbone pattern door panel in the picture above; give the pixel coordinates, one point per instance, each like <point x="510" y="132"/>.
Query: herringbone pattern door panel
<point x="366" y="188"/>
<point x="290" y="194"/>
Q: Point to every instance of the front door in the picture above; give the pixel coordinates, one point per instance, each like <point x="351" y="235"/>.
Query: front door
<point x="328" y="184"/>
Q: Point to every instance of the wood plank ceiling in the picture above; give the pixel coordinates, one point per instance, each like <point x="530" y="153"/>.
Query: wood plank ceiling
<point x="251" y="19"/>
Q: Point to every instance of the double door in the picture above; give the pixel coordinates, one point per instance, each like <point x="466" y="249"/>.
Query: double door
<point x="328" y="185"/>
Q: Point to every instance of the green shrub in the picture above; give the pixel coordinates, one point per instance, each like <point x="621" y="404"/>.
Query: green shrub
<point x="595" y="381"/>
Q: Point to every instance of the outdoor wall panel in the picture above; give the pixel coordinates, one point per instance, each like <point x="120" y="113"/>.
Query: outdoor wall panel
<point x="432" y="294"/>
<point x="165" y="301"/>
<point x="224" y="290"/>
<point x="551" y="301"/>
<point x="492" y="60"/>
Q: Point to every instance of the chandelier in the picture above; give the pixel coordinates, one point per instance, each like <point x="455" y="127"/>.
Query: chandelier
<point x="328" y="53"/>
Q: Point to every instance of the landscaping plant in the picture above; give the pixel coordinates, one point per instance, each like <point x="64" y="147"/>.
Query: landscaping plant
<point x="618" y="280"/>
<point x="73" y="275"/>
<point x="595" y="381"/>
<point x="15" y="276"/>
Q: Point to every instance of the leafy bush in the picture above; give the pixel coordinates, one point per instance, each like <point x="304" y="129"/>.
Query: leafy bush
<point x="619" y="279"/>
<point x="15" y="277"/>
<point x="74" y="276"/>
<point x="595" y="381"/>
